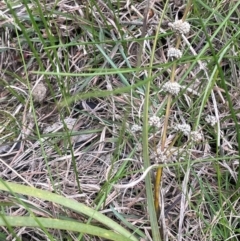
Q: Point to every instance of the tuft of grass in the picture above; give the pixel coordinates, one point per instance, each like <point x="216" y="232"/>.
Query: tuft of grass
<point x="104" y="65"/>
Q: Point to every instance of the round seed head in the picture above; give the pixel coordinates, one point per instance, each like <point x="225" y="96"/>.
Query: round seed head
<point x="180" y="26"/>
<point x="136" y="128"/>
<point x="172" y="88"/>
<point x="154" y="121"/>
<point x="196" y="136"/>
<point x="174" y="53"/>
<point x="184" y="128"/>
<point x="210" y="119"/>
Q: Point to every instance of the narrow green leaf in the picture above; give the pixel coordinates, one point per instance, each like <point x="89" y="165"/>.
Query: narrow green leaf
<point x="63" y="225"/>
<point x="72" y="204"/>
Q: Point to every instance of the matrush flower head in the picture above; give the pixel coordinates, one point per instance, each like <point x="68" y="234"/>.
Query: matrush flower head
<point x="210" y="119"/>
<point x="172" y="88"/>
<point x="196" y="136"/>
<point x="174" y="53"/>
<point x="154" y="121"/>
<point x="180" y="26"/>
<point x="184" y="128"/>
<point x="136" y="128"/>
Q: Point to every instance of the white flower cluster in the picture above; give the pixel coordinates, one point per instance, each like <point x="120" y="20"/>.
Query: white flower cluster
<point x="172" y="88"/>
<point x="154" y="121"/>
<point x="196" y="136"/>
<point x="211" y="120"/>
<point x="158" y="156"/>
<point x="174" y="53"/>
<point x="136" y="128"/>
<point x="184" y="128"/>
<point x="180" y="27"/>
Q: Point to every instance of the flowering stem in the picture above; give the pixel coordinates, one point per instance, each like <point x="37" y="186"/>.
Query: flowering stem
<point x="164" y="134"/>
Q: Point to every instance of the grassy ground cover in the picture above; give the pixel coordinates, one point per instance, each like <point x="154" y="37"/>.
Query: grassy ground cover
<point x="118" y="121"/>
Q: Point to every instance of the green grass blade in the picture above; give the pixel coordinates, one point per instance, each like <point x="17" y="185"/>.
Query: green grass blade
<point x="62" y="225"/>
<point x="72" y="204"/>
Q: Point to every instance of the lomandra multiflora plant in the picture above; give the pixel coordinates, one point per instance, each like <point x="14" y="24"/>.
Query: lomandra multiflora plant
<point x="172" y="88"/>
<point x="181" y="29"/>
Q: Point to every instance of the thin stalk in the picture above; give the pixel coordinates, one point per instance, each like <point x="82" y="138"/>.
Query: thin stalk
<point x="144" y="29"/>
<point x="152" y="211"/>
